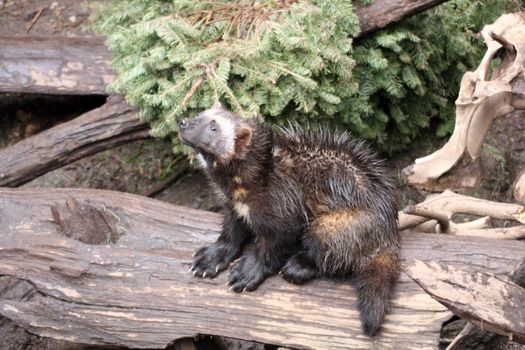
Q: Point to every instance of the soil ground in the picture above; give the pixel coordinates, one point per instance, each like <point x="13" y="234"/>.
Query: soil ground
<point x="138" y="166"/>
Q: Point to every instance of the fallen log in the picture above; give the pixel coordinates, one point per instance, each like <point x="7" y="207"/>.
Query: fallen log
<point x="128" y="284"/>
<point x="491" y="303"/>
<point x="379" y="13"/>
<point x="82" y="65"/>
<point x="112" y="124"/>
<point x="54" y="65"/>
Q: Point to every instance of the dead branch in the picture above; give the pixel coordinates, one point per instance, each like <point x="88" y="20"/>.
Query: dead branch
<point x="481" y="100"/>
<point x="481" y="298"/>
<point x="128" y="283"/>
<point x="435" y="215"/>
<point x="35" y="18"/>
<point x="182" y="168"/>
<point x="441" y="217"/>
<point x="112" y="124"/>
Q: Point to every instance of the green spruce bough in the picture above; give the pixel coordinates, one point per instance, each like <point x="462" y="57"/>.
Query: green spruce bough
<point x="295" y="61"/>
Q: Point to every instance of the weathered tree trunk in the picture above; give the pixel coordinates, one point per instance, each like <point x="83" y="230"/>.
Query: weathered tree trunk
<point x="57" y="65"/>
<point x="381" y="13"/>
<point x="492" y="303"/>
<point x="64" y="65"/>
<point x="473" y="337"/>
<point x="128" y="282"/>
<point x="112" y="124"/>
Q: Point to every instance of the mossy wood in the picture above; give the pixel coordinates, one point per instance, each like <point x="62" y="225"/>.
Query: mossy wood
<point x="112" y="124"/>
<point x="127" y="283"/>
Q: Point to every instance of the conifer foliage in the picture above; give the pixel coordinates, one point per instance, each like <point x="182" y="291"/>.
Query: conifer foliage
<point x="294" y="60"/>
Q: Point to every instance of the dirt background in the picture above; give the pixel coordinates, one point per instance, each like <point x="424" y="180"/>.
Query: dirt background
<point x="138" y="166"/>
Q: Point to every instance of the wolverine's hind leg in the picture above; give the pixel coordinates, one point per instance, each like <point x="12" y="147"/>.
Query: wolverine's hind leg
<point x="299" y="268"/>
<point x="354" y="242"/>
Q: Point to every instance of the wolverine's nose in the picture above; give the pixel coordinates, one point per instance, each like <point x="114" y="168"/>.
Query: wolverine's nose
<point x="183" y="124"/>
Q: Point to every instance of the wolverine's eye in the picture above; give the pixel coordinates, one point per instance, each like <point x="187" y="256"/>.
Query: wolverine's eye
<point x="213" y="126"/>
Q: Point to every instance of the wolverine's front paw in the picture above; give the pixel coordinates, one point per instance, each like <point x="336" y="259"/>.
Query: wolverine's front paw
<point x="246" y="274"/>
<point x="210" y="260"/>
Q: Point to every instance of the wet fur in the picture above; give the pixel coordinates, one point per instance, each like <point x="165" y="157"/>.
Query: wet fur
<point x="315" y="203"/>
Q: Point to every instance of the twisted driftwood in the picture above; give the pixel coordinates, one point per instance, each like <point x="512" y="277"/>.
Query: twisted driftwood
<point x="481" y="100"/>
<point x="127" y="283"/>
<point x="436" y="212"/>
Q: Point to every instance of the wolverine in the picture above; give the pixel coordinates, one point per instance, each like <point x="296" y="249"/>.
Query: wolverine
<point x="313" y="202"/>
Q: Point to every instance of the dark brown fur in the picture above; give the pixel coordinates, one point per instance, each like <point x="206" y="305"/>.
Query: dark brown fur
<point x="314" y="203"/>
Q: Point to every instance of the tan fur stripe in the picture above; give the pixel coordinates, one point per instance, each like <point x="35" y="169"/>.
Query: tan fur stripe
<point x="240" y="193"/>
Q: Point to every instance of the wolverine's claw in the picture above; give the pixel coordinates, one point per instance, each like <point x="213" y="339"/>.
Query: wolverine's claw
<point x="194" y="272"/>
<point x="217" y="268"/>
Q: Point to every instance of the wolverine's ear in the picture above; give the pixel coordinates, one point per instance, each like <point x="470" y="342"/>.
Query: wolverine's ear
<point x="243" y="136"/>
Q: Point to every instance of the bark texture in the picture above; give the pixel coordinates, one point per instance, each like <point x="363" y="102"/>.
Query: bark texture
<point x="127" y="283"/>
<point x="54" y="65"/>
<point x="112" y="124"/>
<point x="492" y="303"/>
<point x="381" y="13"/>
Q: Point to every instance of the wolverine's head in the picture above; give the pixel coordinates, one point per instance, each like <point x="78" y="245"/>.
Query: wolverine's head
<point x="216" y="134"/>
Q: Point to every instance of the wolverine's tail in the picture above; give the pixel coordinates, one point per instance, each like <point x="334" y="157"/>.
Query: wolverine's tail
<point x="374" y="286"/>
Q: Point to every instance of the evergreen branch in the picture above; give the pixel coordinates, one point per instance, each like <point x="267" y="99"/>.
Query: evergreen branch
<point x="295" y="60"/>
<point x="190" y="93"/>
<point x="293" y="74"/>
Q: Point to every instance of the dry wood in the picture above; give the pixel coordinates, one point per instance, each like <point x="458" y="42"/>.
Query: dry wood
<point x="448" y="203"/>
<point x="492" y="303"/>
<point x="81" y="65"/>
<point x="57" y="65"/>
<point x="137" y="291"/>
<point x="112" y="124"/>
<point x="441" y="217"/>
<point x="481" y="100"/>
<point x="381" y="13"/>
<point x="473" y="337"/>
